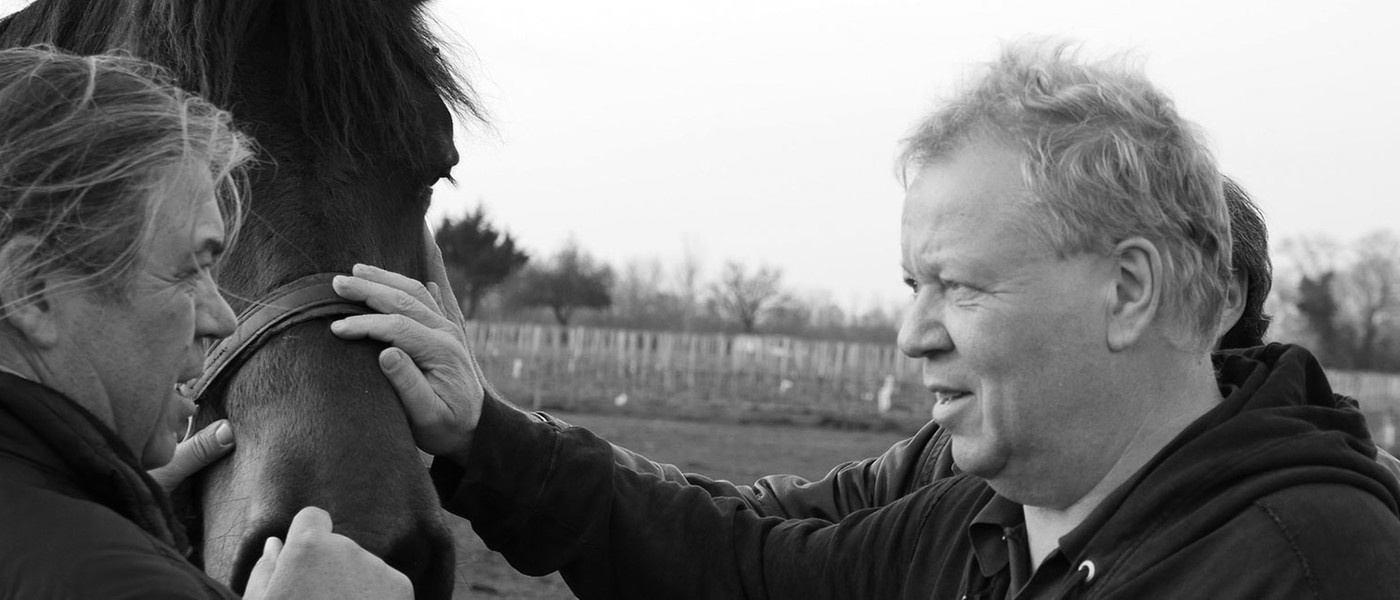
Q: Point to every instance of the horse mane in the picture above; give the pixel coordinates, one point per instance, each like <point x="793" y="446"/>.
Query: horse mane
<point x="346" y="77"/>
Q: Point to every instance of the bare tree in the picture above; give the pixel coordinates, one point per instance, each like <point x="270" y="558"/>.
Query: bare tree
<point x="641" y="301"/>
<point x="1372" y="287"/>
<point x="1312" y="255"/>
<point x="1347" y="298"/>
<point x="688" y="283"/>
<point x="743" y="296"/>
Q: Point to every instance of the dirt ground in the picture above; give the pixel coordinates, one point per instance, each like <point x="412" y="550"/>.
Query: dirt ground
<point x="737" y="452"/>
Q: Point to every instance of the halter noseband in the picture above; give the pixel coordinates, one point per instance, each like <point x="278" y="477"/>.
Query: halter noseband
<point x="301" y="300"/>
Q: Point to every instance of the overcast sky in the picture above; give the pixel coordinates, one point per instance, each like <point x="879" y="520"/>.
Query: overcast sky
<point x="765" y="130"/>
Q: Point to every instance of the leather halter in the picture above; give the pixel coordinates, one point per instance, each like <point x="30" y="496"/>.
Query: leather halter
<point x="296" y="302"/>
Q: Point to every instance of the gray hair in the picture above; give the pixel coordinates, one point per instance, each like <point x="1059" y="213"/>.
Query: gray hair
<point x="87" y="148"/>
<point x="1106" y="157"/>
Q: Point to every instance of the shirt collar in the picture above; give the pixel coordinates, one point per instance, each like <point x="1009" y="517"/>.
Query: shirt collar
<point x="988" y="532"/>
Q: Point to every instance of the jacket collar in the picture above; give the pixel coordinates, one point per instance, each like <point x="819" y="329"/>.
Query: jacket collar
<point x="70" y="450"/>
<point x="1279" y="425"/>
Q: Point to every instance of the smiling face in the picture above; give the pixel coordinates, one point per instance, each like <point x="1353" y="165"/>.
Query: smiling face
<point x="1012" y="337"/>
<point x="122" y="357"/>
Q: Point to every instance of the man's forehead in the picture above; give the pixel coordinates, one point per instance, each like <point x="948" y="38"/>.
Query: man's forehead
<point x="969" y="188"/>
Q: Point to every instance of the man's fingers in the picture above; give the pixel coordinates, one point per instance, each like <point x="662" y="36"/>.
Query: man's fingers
<point x="264" y="569"/>
<point x="409" y="286"/>
<point x="390" y="300"/>
<point x="200" y="450"/>
<point x="437" y="273"/>
<point x="387" y="299"/>
<point x="432" y="254"/>
<point x="436" y="292"/>
<point x="449" y="309"/>
<point x="309" y="521"/>
<point x="422" y="343"/>
<point x="413" y="389"/>
<point x="205" y="446"/>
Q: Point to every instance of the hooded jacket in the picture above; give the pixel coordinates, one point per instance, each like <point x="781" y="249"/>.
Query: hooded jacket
<point x="872" y="482"/>
<point x="1274" y="493"/>
<point x="79" y="518"/>
<point x="906" y="466"/>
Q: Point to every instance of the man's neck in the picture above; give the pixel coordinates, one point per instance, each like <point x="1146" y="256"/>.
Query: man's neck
<point x="1166" y="414"/>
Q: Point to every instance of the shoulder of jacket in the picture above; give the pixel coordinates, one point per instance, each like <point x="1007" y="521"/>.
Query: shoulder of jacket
<point x="63" y="546"/>
<point x="1338" y="536"/>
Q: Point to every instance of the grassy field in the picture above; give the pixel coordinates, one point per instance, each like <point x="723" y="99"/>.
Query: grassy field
<point x="737" y="452"/>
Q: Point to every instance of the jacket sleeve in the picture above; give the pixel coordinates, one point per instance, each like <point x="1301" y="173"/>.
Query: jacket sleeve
<point x="556" y="499"/>
<point x="852" y="486"/>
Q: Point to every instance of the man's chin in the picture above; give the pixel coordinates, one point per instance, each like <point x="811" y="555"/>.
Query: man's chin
<point x="159" y="452"/>
<point x="974" y="460"/>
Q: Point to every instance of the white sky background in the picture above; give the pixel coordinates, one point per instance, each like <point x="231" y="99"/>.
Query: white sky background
<point x="765" y="131"/>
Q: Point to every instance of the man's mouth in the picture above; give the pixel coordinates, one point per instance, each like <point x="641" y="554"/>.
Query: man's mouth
<point x="947" y="404"/>
<point x="949" y="396"/>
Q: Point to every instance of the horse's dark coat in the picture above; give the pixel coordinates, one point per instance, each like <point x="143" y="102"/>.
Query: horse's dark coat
<point x="348" y="100"/>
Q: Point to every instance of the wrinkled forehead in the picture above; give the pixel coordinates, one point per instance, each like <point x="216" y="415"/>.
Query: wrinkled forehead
<point x="184" y="208"/>
<point x="978" y="190"/>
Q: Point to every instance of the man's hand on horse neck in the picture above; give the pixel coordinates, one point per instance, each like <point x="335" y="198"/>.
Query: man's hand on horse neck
<point x="428" y="362"/>
<point x="316" y="563"/>
<point x="197" y="451"/>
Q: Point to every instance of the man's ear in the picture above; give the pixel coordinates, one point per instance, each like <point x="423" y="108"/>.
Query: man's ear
<point x="1137" y="291"/>
<point x="1235" y="296"/>
<point x="25" y="294"/>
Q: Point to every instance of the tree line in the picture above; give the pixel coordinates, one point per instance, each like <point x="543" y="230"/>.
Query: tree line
<point x="495" y="279"/>
<point x="1341" y="300"/>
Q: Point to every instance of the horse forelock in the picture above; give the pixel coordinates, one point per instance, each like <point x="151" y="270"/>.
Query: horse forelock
<point x="345" y="60"/>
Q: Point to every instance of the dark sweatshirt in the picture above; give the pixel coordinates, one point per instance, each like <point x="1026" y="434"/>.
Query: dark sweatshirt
<point x="1274" y="493"/>
<point x="79" y="518"/>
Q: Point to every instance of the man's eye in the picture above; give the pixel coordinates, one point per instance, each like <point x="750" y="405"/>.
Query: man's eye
<point x="196" y="273"/>
<point x="913" y="285"/>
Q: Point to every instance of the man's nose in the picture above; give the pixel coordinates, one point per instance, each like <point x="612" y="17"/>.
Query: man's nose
<point x="217" y="318"/>
<point x="923" y="332"/>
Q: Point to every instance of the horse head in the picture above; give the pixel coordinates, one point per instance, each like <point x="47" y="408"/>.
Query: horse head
<point x="351" y="106"/>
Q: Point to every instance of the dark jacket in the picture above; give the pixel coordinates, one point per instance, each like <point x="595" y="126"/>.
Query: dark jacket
<point x="906" y="466"/>
<point x="79" y="518"/>
<point x="873" y="482"/>
<point x="1274" y="493"/>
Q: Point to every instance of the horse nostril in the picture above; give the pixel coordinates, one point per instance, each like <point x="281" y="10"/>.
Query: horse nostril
<point x="427" y="557"/>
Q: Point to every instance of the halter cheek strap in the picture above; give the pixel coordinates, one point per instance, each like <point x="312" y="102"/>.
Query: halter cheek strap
<point x="301" y="300"/>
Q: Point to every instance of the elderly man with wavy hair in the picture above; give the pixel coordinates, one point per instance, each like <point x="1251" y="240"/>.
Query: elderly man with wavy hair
<point x="1068" y="248"/>
<point x="118" y="193"/>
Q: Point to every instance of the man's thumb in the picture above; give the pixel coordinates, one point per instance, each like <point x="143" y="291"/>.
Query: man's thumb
<point x="209" y="444"/>
<point x="417" y="395"/>
<point x="261" y="576"/>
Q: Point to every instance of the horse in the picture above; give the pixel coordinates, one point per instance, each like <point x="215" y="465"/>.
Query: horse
<point x="351" y="105"/>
